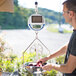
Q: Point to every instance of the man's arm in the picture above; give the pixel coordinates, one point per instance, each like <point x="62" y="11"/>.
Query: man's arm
<point x="61" y="51"/>
<point x="69" y="67"/>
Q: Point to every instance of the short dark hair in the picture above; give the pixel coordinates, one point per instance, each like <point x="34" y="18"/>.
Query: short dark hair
<point x="71" y="5"/>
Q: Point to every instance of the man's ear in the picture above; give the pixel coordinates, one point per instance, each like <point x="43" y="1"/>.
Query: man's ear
<point x="71" y="13"/>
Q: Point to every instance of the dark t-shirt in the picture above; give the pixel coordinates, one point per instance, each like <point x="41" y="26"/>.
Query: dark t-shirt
<point x="71" y="50"/>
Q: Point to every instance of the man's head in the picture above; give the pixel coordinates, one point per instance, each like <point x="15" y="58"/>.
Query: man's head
<point x="70" y="4"/>
<point x="69" y="11"/>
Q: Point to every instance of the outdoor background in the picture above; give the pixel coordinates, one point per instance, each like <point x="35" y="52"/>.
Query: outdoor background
<point x="17" y="36"/>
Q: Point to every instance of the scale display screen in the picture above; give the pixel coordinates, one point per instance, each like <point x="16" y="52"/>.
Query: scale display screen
<point x="36" y="19"/>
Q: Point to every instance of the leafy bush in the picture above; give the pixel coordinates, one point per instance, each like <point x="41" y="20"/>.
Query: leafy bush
<point x="60" y="59"/>
<point x="29" y="57"/>
<point x="3" y="51"/>
<point x="50" y="73"/>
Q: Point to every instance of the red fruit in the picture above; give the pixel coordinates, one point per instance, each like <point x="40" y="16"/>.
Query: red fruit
<point x="35" y="65"/>
<point x="30" y="64"/>
<point x="40" y="62"/>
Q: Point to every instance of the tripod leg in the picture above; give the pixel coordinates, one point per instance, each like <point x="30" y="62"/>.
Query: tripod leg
<point x="27" y="48"/>
<point x="43" y="45"/>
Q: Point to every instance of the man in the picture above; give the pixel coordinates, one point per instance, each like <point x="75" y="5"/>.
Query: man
<point x="69" y="66"/>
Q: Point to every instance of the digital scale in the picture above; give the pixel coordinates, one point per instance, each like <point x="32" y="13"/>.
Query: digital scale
<point x="36" y="22"/>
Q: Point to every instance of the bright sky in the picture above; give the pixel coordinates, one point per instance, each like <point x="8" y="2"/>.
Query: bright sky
<point x="55" y="5"/>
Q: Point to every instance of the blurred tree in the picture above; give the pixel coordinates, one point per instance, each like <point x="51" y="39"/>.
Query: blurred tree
<point x="19" y="19"/>
<point x="16" y="2"/>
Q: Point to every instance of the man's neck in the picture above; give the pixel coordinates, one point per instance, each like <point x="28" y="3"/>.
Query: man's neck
<point x="73" y="22"/>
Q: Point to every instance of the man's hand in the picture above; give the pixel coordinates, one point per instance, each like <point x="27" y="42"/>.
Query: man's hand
<point x="43" y="60"/>
<point x="47" y="67"/>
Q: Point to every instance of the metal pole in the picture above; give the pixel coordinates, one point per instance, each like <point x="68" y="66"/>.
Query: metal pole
<point x="27" y="48"/>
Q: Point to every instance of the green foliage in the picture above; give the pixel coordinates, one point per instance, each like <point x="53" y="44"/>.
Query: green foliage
<point x="50" y="73"/>
<point x="67" y="31"/>
<point x="54" y="28"/>
<point x="8" y="66"/>
<point x="60" y="59"/>
<point x="51" y="16"/>
<point x="2" y="45"/>
<point x="3" y="61"/>
<point x="12" y="62"/>
<point x="29" y="57"/>
<point x="16" y="2"/>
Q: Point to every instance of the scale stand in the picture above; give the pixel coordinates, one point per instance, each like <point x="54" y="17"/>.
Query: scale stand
<point x="36" y="22"/>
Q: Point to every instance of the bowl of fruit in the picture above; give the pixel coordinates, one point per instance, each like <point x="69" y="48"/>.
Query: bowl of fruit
<point x="34" y="67"/>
